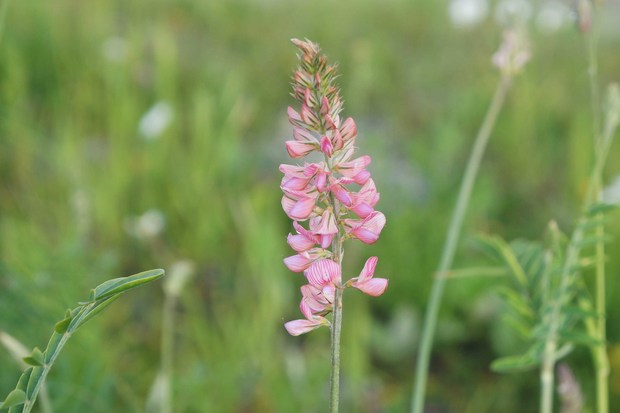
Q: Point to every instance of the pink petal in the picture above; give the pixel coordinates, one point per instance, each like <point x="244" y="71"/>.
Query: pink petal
<point x="299" y="243"/>
<point x="326" y="240"/>
<point x="342" y="195"/>
<point x="326" y="146"/>
<point x="294" y="117"/>
<point x="298" y="149"/>
<point x="323" y="272"/>
<point x="301" y="209"/>
<point x="374" y="287"/>
<point x="369" y="269"/>
<point x="303" y="135"/>
<point x="362" y="177"/>
<point x="366" y="236"/>
<point x="348" y="129"/>
<point x="297" y="327"/>
<point x="297" y="263"/>
<point x="362" y="210"/>
<point x="325" y="224"/>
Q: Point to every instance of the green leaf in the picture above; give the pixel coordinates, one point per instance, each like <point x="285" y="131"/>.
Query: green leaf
<point x="62" y="325"/>
<point x="601" y="207"/>
<point x="119" y="285"/>
<point x="33" y="381"/>
<point x="36" y="358"/>
<point x="92" y="310"/>
<point x="579" y="337"/>
<point x="15" y="398"/>
<point x="52" y="346"/>
<point x="515" y="363"/>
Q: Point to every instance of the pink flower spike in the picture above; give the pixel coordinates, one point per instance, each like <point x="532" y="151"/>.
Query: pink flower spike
<point x="298" y="327"/>
<point x="326" y="146"/>
<point x="366" y="283"/>
<point x="297" y="263"/>
<point x="323" y="272"/>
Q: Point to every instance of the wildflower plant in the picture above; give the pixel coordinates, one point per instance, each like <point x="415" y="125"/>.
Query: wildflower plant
<point x="329" y="200"/>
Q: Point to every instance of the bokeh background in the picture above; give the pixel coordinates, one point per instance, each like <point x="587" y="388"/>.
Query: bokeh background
<point x="141" y="134"/>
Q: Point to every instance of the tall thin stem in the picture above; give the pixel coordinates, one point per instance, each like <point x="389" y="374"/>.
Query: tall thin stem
<point x="447" y="256"/>
<point x="334" y="391"/>
<point x="598" y="329"/>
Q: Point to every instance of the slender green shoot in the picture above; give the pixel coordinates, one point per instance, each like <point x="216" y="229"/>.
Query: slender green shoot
<point x="24" y="396"/>
<point x="447" y="256"/>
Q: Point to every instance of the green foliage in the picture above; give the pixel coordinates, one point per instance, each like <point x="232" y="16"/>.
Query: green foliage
<point x="23" y="397"/>
<point x="534" y="293"/>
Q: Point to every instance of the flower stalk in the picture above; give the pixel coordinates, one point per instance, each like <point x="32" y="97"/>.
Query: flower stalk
<point x="510" y="58"/>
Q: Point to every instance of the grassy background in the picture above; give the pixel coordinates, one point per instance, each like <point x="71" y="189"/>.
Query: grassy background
<point x="74" y="171"/>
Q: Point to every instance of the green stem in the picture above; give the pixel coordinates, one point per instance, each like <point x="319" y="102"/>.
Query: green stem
<point x="167" y="344"/>
<point x="598" y="329"/>
<point x="334" y="393"/>
<point x="547" y="377"/>
<point x="430" y="321"/>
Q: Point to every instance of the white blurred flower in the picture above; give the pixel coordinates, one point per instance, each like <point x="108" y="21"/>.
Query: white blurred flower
<point x="178" y="275"/>
<point x="611" y="193"/>
<point x="467" y="13"/>
<point x="553" y="15"/>
<point x="508" y="12"/>
<point x="155" y="120"/>
<point x="148" y="225"/>
<point x="114" y="49"/>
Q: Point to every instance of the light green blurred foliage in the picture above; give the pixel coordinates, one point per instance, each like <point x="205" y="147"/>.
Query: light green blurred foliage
<point x="76" y="175"/>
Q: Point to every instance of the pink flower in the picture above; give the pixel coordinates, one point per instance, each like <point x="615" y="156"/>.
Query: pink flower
<point x="364" y="201"/>
<point x="316" y="300"/>
<point x="304" y="240"/>
<point x="366" y="283"/>
<point x="325" y="227"/>
<point x="368" y="229"/>
<point x="303" y="260"/>
<point x="323" y="272"/>
<point x="298" y="327"/>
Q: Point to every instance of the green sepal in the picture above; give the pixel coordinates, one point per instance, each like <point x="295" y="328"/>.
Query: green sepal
<point x="14" y="398"/>
<point x="119" y="285"/>
<point x="36" y="358"/>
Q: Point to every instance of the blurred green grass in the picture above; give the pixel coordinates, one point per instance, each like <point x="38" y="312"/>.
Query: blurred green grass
<point x="75" y="172"/>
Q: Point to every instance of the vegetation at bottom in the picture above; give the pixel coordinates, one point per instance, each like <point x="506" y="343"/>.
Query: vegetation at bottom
<point x="91" y="186"/>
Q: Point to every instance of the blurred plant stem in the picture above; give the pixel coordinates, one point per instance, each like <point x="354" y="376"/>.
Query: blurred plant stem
<point x="447" y="255"/>
<point x="3" y="10"/>
<point x="598" y="329"/>
<point x="571" y="259"/>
